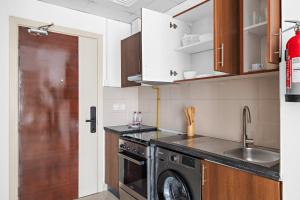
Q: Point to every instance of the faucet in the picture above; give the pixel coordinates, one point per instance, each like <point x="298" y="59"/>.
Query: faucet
<point x="246" y="119"/>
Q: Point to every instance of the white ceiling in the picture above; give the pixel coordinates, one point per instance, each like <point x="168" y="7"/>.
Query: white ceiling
<point x="111" y="10"/>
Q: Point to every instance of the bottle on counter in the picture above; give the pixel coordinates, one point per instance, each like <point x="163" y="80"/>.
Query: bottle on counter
<point x="135" y="119"/>
<point x="139" y="118"/>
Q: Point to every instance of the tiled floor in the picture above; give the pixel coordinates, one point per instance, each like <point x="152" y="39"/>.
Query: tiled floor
<point x="100" y="196"/>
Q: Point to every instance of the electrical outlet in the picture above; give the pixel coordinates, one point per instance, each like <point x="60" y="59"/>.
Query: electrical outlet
<point x="122" y="106"/>
<point x="116" y="107"/>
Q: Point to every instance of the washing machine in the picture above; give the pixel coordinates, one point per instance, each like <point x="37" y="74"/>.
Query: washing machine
<point x="177" y="176"/>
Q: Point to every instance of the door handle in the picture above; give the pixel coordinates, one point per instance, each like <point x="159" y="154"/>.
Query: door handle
<point x="222" y="55"/>
<point x="140" y="163"/>
<point x="93" y="119"/>
<point x="280" y="42"/>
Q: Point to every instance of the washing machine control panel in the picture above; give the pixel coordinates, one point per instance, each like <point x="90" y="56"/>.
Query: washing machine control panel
<point x="174" y="158"/>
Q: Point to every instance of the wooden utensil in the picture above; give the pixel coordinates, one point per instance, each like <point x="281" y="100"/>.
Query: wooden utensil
<point x="190" y="116"/>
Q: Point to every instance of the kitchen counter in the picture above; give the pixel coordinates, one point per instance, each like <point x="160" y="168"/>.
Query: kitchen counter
<point x="125" y="129"/>
<point x="213" y="149"/>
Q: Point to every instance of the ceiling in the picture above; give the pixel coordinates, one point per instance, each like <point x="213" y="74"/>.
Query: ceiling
<point x="127" y="12"/>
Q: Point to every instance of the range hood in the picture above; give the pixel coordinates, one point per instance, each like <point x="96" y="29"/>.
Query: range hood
<point x="139" y="79"/>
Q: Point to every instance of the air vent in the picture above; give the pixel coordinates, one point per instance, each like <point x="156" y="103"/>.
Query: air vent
<point x="126" y="3"/>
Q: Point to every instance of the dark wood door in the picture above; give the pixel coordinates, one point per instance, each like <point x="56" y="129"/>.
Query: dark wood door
<point x="224" y="183"/>
<point x="131" y="60"/>
<point x="112" y="161"/>
<point x="274" y="26"/>
<point x="226" y="36"/>
<point x="48" y="116"/>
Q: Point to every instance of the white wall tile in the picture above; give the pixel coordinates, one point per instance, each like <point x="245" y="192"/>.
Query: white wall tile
<point x="120" y="97"/>
<point x="219" y="107"/>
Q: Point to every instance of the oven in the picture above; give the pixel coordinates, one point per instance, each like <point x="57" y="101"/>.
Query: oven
<point x="133" y="170"/>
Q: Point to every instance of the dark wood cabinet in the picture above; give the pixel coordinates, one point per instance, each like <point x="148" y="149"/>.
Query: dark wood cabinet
<point x="130" y="59"/>
<point x="226" y="36"/>
<point x="224" y="183"/>
<point x="273" y="30"/>
<point x="112" y="162"/>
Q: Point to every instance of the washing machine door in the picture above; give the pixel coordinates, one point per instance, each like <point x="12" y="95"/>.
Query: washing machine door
<point x="171" y="186"/>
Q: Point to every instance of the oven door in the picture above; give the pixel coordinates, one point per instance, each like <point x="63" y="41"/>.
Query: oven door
<point x="133" y="175"/>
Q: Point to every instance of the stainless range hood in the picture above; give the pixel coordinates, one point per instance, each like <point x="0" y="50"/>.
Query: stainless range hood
<point x="139" y="79"/>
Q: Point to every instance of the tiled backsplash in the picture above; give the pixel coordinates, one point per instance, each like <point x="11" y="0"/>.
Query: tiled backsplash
<point x="118" y="105"/>
<point x="219" y="107"/>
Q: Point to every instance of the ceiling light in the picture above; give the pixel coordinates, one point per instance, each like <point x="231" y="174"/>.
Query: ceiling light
<point x="126" y="3"/>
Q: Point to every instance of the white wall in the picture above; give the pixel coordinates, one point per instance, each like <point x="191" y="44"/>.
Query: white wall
<point x="290" y="118"/>
<point x="39" y="11"/>
<point x="117" y="32"/>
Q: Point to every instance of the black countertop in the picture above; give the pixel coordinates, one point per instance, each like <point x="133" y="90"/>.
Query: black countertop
<point x="212" y="149"/>
<point x="125" y="129"/>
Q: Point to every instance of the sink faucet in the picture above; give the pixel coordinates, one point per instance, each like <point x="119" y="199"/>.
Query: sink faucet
<point x="246" y="119"/>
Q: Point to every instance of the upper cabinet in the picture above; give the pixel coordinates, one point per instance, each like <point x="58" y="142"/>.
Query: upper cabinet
<point x="213" y="38"/>
<point x="260" y="35"/>
<point x="130" y="59"/>
<point x="226" y="36"/>
<point x="204" y="38"/>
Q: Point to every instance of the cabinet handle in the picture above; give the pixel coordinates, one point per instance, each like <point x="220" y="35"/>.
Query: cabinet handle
<point x="173" y="73"/>
<point x="172" y="25"/>
<point x="222" y="55"/>
<point x="280" y="43"/>
<point x="203" y="175"/>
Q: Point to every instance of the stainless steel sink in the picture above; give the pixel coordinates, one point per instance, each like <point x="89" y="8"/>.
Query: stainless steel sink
<point x="254" y="155"/>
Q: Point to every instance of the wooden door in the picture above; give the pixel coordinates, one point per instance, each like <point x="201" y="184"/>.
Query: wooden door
<point x="224" y="183"/>
<point x="226" y="36"/>
<point x="274" y="27"/>
<point x="48" y="116"/>
<point x="131" y="61"/>
<point x="161" y="35"/>
<point x="112" y="161"/>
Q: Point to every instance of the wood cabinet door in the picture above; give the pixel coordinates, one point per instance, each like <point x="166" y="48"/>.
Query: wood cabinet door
<point x="112" y="161"/>
<point x="274" y="26"/>
<point x="224" y="183"/>
<point x="130" y="59"/>
<point x="161" y="35"/>
<point x="226" y="36"/>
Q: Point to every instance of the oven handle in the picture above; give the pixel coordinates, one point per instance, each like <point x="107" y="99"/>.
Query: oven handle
<point x="140" y="163"/>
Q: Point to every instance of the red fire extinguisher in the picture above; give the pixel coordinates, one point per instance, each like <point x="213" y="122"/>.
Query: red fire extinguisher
<point x="292" y="58"/>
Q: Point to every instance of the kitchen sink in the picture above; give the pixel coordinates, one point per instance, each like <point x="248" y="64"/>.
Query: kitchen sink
<point x="254" y="155"/>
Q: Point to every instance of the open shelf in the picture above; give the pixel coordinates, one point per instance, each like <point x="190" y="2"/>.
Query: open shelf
<point x="197" y="47"/>
<point x="258" y="29"/>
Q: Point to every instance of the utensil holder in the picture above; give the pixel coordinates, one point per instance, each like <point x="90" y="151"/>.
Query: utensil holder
<point x="191" y="130"/>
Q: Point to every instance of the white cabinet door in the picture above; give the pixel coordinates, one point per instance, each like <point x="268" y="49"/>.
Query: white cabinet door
<point x="159" y="41"/>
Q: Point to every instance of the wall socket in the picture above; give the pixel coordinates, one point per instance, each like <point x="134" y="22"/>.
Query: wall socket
<point x="119" y="107"/>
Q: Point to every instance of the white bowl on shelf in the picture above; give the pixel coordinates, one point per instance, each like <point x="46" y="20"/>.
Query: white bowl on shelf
<point x="190" y="74"/>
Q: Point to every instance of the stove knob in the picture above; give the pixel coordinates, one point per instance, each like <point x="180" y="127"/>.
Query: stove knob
<point x="174" y="158"/>
<point x="128" y="148"/>
<point x="134" y="150"/>
<point x="122" y="146"/>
